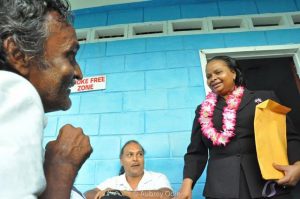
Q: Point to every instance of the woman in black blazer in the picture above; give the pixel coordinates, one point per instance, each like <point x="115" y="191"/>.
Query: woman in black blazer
<point x="223" y="136"/>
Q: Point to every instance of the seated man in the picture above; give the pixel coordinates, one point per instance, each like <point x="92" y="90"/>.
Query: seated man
<point x="134" y="181"/>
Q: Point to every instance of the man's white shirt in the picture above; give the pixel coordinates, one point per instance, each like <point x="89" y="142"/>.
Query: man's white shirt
<point x="21" y="132"/>
<point x="150" y="181"/>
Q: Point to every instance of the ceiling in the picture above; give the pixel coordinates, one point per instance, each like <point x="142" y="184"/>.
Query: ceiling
<point x="81" y="4"/>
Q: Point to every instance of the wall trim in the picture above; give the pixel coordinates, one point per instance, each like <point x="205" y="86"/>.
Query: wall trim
<point x="207" y="25"/>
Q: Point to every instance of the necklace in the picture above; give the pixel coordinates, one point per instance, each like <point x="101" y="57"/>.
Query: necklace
<point x="229" y="116"/>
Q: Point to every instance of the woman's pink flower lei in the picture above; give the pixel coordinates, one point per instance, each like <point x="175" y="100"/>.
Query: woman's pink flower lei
<point x="229" y="117"/>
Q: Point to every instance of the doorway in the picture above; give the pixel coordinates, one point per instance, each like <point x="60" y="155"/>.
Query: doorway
<point x="275" y="74"/>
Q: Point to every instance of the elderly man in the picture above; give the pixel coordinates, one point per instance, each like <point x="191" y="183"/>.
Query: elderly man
<point x="37" y="68"/>
<point x="134" y="181"/>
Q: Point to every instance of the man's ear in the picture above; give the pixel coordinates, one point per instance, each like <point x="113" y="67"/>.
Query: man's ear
<point x="18" y="60"/>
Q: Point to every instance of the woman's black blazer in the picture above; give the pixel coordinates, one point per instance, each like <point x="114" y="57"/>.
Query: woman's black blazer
<point x="226" y="163"/>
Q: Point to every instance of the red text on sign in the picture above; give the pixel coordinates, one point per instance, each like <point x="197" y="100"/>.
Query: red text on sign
<point x="97" y="79"/>
<point x="85" y="87"/>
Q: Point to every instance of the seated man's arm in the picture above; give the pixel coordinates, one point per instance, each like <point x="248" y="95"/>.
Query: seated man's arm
<point x="63" y="159"/>
<point x="94" y="193"/>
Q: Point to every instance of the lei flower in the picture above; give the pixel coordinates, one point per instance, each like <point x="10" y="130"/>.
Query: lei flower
<point x="229" y="116"/>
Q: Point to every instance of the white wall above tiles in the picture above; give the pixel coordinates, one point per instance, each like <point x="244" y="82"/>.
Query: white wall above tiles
<point x="207" y="25"/>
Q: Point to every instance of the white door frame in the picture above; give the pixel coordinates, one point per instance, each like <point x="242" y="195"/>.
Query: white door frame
<point x="273" y="51"/>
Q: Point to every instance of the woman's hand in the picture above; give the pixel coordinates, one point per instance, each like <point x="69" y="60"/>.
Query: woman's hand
<point x="291" y="174"/>
<point x="185" y="190"/>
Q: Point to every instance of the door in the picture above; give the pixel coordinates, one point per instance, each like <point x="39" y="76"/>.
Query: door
<point x="275" y="74"/>
<point x="279" y="75"/>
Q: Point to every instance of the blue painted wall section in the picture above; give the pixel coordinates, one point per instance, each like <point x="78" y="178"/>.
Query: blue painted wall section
<point x="153" y="84"/>
<point x="177" y="9"/>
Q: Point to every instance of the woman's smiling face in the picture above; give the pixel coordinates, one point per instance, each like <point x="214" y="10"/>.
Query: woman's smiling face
<point x="220" y="78"/>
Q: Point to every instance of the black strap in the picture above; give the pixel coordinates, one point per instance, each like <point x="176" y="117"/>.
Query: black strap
<point x="77" y="191"/>
<point x="269" y="189"/>
<point x="113" y="192"/>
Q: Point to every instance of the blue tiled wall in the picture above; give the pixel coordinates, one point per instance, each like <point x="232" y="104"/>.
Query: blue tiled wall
<point x="237" y="7"/>
<point x="177" y="9"/>
<point x="162" y="13"/>
<point x="153" y="84"/>
<point x="205" y="9"/>
<point x="125" y="16"/>
<point x="270" y="6"/>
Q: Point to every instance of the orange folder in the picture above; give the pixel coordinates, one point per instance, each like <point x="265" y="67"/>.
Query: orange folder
<point x="270" y="138"/>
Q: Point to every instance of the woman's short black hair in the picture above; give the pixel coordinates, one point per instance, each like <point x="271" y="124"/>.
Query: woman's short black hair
<point x="232" y="64"/>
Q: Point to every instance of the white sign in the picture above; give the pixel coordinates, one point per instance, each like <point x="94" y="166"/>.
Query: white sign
<point x="89" y="84"/>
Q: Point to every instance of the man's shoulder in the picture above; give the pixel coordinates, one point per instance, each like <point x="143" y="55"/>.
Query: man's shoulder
<point x="113" y="179"/>
<point x="153" y="174"/>
<point x="12" y="77"/>
<point x="12" y="83"/>
<point x="154" y="180"/>
<point x="112" y="182"/>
